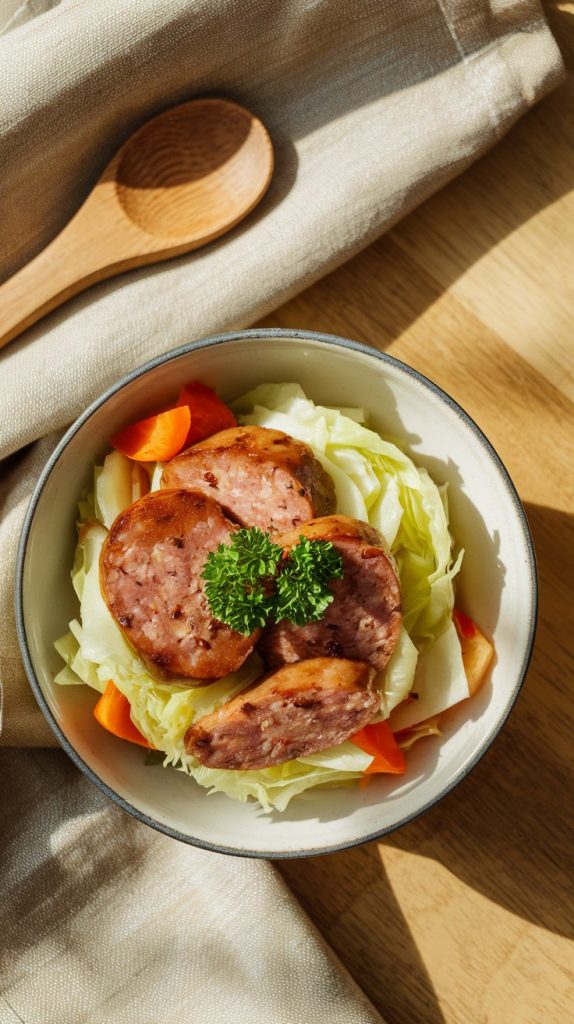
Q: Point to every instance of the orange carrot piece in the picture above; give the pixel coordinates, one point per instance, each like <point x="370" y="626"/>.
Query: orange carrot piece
<point x="156" y="439"/>
<point x="378" y="740"/>
<point x="113" y="712"/>
<point x="209" y="414"/>
<point x="477" y="651"/>
<point x="465" y="627"/>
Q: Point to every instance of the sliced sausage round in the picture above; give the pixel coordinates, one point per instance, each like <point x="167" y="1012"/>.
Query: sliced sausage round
<point x="364" y="619"/>
<point x="260" y="477"/>
<point x="150" y="577"/>
<point x="297" y="711"/>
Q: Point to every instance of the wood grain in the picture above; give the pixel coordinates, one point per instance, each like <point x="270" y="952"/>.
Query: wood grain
<point x="465" y="915"/>
<point x="180" y="181"/>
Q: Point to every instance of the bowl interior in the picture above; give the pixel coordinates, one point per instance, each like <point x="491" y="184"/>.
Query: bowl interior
<point x="496" y="587"/>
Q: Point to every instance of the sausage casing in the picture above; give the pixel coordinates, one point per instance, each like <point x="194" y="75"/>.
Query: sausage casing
<point x="260" y="477"/>
<point x="150" y="577"/>
<point x="363" y="621"/>
<point x="297" y="711"/>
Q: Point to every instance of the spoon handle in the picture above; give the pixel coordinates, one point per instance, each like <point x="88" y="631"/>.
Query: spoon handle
<point x="97" y="243"/>
<point x="36" y="290"/>
<point x="70" y="263"/>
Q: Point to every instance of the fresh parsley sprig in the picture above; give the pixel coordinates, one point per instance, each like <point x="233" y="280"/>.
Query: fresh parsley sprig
<point x="237" y="580"/>
<point x="302" y="591"/>
<point x="252" y="580"/>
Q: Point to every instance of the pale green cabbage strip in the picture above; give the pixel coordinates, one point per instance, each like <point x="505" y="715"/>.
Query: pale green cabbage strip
<point x="375" y="481"/>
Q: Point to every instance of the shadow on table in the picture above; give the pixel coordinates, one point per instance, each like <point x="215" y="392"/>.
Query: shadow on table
<point x="502" y="190"/>
<point x="503" y="832"/>
<point x="365" y="925"/>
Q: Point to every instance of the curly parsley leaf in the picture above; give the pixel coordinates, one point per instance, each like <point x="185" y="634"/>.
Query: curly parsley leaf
<point x="302" y="591"/>
<point x="237" y="580"/>
<point x="251" y="581"/>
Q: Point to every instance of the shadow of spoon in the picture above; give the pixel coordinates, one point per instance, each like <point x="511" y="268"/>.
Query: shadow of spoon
<point x="180" y="181"/>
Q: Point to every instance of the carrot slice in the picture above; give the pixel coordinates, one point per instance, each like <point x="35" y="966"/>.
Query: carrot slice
<point x="378" y="740"/>
<point x="477" y="651"/>
<point x="465" y="627"/>
<point x="208" y="413"/>
<point x="113" y="712"/>
<point x="156" y="439"/>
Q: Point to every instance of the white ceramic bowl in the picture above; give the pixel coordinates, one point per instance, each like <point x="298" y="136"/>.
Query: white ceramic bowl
<point x="497" y="587"/>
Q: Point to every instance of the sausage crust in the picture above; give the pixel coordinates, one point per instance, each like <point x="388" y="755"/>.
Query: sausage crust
<point x="260" y="477"/>
<point x="299" y="710"/>
<point x="150" y="577"/>
<point x="364" y="619"/>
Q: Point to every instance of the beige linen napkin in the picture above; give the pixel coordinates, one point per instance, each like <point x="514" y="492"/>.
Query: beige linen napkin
<point x="372" y="106"/>
<point x="108" y="922"/>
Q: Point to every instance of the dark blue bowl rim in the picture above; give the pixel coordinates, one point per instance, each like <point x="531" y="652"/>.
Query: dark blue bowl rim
<point x="304" y="336"/>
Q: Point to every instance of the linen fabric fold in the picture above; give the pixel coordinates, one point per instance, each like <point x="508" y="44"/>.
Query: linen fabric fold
<point x="109" y="922"/>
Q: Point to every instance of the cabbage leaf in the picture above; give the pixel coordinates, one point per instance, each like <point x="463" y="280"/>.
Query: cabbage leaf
<point x="440" y="681"/>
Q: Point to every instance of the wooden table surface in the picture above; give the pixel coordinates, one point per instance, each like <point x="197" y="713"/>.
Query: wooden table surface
<point x="466" y="915"/>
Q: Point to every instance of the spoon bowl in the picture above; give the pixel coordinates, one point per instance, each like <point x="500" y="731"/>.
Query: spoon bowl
<point x="193" y="172"/>
<point x="181" y="180"/>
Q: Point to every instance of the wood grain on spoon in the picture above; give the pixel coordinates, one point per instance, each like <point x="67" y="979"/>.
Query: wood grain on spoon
<point x="183" y="179"/>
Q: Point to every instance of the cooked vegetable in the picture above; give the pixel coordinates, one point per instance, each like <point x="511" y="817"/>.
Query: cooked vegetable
<point x="378" y="740"/>
<point x="397" y="680"/>
<point x="157" y="438"/>
<point x="477" y="651"/>
<point x="439" y="682"/>
<point x="208" y="413"/>
<point x="252" y="579"/>
<point x="113" y="712"/>
<point x="409" y="737"/>
<point x="140" y="482"/>
<point x="119" y="482"/>
<point x="114" y="486"/>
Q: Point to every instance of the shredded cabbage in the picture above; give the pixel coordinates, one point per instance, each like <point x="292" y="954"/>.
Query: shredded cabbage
<point x="398" y="678"/>
<point x="374" y="481"/>
<point x="440" y="681"/>
<point x="113" y="487"/>
<point x="418" y="732"/>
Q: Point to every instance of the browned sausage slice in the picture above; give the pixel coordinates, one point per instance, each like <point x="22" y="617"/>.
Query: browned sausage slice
<point x="150" y="577"/>
<point x="260" y="477"/>
<point x="300" y="710"/>
<point x="364" y="619"/>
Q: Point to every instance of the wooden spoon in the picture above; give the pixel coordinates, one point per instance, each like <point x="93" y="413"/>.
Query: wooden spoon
<point x="183" y="179"/>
